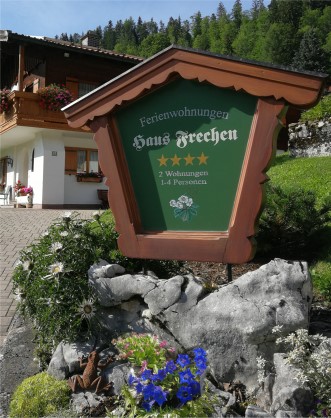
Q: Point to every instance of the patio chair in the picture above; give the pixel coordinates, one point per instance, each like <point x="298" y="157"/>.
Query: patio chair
<point x="4" y="195"/>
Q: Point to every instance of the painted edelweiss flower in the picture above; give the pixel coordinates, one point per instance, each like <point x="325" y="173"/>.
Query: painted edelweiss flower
<point x="56" y="268"/>
<point x="87" y="309"/>
<point x="56" y="246"/>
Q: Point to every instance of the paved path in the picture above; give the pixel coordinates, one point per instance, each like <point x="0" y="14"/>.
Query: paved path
<point x="19" y="228"/>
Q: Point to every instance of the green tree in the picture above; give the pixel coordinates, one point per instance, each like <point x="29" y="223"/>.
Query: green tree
<point x="221" y="11"/>
<point x="310" y="55"/>
<point x="237" y="14"/>
<point x="244" y="43"/>
<point x="109" y="36"/>
<point x="196" y="24"/>
<point x="280" y="42"/>
<point x="262" y="25"/>
<point x="153" y="43"/>
<point x="201" y="41"/>
<point x="214" y="35"/>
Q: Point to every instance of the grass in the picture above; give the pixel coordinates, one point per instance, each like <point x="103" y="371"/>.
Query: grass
<point x="310" y="174"/>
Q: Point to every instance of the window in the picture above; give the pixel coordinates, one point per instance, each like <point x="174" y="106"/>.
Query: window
<point x="79" y="88"/>
<point x="81" y="160"/>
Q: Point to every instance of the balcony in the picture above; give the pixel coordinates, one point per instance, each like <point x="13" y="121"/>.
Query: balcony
<point x="25" y="110"/>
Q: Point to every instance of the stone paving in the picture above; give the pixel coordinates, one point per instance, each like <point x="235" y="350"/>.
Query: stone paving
<point x="19" y="228"/>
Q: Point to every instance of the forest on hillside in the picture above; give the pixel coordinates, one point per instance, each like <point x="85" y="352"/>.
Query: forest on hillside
<point x="291" y="33"/>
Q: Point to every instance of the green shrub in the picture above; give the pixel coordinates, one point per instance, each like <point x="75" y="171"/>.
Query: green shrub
<point x="310" y="355"/>
<point x="305" y="173"/>
<point x="38" y="396"/>
<point x="51" y="278"/>
<point x="321" y="111"/>
<point x="290" y="224"/>
<point x="104" y="227"/>
<point x="51" y="282"/>
<point x="321" y="275"/>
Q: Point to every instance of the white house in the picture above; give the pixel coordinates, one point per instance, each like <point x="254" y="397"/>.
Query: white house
<point x="38" y="148"/>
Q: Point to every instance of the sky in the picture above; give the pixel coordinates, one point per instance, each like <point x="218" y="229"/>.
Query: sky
<point x="53" y="17"/>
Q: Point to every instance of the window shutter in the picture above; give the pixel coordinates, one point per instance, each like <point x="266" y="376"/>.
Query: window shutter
<point x="72" y="85"/>
<point x="70" y="161"/>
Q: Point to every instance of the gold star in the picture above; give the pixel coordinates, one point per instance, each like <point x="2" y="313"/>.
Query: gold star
<point x="202" y="159"/>
<point x="175" y="160"/>
<point x="163" y="160"/>
<point x="189" y="159"/>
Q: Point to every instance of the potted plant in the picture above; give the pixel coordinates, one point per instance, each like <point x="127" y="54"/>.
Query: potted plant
<point x="92" y="176"/>
<point x="4" y="100"/>
<point x="54" y="97"/>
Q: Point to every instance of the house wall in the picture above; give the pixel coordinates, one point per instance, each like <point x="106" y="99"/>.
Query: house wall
<point x="51" y="187"/>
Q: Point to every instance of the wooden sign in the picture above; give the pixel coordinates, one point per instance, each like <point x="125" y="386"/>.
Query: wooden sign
<point x="185" y="140"/>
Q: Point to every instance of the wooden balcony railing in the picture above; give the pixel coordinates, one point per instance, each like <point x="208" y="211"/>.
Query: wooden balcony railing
<point x="24" y="110"/>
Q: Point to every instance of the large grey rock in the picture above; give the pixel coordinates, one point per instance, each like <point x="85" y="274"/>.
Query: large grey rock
<point x="165" y="294"/>
<point x="65" y="360"/>
<point x="104" y="269"/>
<point x="234" y="324"/>
<point x="310" y="139"/>
<point x="112" y="291"/>
<point x="290" y="397"/>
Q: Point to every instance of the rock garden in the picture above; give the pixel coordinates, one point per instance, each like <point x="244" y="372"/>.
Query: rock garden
<point x="119" y="337"/>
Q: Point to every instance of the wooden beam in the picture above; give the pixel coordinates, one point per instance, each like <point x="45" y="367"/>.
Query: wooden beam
<point x="21" y="67"/>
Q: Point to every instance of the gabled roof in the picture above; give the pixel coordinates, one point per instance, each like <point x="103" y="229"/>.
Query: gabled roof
<point x="298" y="88"/>
<point x="70" y="46"/>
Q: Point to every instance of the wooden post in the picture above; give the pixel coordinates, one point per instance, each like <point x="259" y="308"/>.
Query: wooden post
<point x="21" y="67"/>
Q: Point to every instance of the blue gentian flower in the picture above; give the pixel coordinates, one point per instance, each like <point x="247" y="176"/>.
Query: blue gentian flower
<point x="184" y="394"/>
<point x="146" y="374"/>
<point x="132" y="379"/>
<point x="170" y="367"/>
<point x="148" y="405"/>
<point x="195" y="388"/>
<point x="161" y="374"/>
<point x="148" y="392"/>
<point x="160" y="396"/>
<point x="186" y="376"/>
<point x="139" y="387"/>
<point x="183" y="360"/>
<point x="199" y="352"/>
<point x="201" y="365"/>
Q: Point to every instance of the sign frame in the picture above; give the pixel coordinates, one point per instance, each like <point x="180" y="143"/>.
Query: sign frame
<point x="274" y="87"/>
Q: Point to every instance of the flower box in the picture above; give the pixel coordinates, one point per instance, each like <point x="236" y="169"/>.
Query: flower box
<point x="89" y="179"/>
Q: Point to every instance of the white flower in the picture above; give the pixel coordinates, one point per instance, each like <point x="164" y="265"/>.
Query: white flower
<point x="56" y="246"/>
<point x="183" y="199"/>
<point x="277" y="329"/>
<point x="64" y="233"/>
<point x="180" y="205"/>
<point x="87" y="309"/>
<point x="173" y="203"/>
<point x="45" y="234"/>
<point x="27" y="265"/>
<point x="67" y="215"/>
<point x="77" y="236"/>
<point x="189" y="202"/>
<point x="56" y="268"/>
<point x="18" y="263"/>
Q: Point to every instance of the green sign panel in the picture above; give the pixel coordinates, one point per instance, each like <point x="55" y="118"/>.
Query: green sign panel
<point x="185" y="144"/>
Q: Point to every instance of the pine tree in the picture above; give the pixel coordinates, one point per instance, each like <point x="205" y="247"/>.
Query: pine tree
<point x="310" y="55"/>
